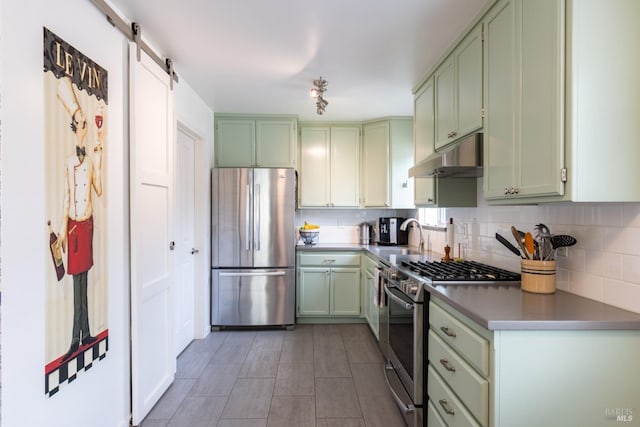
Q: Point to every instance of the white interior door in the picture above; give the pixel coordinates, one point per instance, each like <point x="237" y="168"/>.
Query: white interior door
<point x="186" y="252"/>
<point x="153" y="361"/>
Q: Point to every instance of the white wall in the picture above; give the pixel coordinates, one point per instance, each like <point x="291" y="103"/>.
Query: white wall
<point x="192" y="113"/>
<point x="99" y="396"/>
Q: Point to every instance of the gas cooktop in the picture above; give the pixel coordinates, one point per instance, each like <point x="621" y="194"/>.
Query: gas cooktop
<point x="460" y="271"/>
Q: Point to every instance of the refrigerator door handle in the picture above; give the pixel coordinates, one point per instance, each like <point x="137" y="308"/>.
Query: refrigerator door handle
<point x="252" y="273"/>
<point x="257" y="212"/>
<point x="247" y="220"/>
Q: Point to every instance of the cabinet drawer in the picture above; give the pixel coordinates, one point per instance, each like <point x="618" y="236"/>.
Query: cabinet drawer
<point x="330" y="259"/>
<point x="446" y="403"/>
<point x="468" y="343"/>
<point x="465" y="382"/>
<point x="433" y="418"/>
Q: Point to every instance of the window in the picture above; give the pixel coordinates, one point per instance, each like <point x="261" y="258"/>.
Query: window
<point x="436" y="217"/>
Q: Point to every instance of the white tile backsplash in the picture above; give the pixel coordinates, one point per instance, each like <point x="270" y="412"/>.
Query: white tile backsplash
<point x="604" y="265"/>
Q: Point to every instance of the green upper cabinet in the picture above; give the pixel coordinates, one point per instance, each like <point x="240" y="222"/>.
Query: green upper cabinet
<point x="329" y="166"/>
<point x="524" y="98"/>
<point x="424" y="140"/>
<point x="603" y="101"/>
<point x="458" y="91"/>
<point x="387" y="155"/>
<point x="247" y="141"/>
<point x="432" y="192"/>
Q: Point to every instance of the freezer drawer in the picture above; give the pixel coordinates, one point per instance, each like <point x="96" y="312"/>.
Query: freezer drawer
<point x="253" y="297"/>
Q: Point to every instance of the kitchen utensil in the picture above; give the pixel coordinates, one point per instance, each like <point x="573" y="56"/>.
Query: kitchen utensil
<point x="544" y="238"/>
<point x="507" y="244"/>
<point x="516" y="235"/>
<point x="528" y="243"/>
<point x="562" y="240"/>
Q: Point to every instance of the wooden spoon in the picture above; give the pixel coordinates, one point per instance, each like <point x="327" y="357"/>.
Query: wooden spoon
<point x="528" y="243"/>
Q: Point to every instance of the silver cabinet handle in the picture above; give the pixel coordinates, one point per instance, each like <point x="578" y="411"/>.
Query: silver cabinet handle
<point x="445" y="406"/>
<point x="194" y="251"/>
<point x="447" y="366"/>
<point x="447" y="331"/>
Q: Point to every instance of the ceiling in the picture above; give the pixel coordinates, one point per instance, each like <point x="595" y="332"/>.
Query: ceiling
<point x="261" y="56"/>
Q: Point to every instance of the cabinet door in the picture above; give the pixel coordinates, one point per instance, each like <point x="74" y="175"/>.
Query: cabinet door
<point x="235" y="143"/>
<point x="345" y="291"/>
<point x="424" y="139"/>
<point x="500" y="153"/>
<point x="314" y="167"/>
<point x="313" y="291"/>
<point x="468" y="71"/>
<point x="375" y="165"/>
<point x="276" y="143"/>
<point x="345" y="167"/>
<point x="445" y="113"/>
<point x="424" y="122"/>
<point x="541" y="98"/>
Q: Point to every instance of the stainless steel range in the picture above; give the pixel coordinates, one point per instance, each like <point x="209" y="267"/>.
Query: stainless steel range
<point x="408" y="317"/>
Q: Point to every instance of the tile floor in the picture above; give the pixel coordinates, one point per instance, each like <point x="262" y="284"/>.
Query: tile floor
<point x="315" y="375"/>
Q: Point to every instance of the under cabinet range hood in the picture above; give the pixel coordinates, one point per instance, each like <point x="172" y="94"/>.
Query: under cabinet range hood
<point x="462" y="160"/>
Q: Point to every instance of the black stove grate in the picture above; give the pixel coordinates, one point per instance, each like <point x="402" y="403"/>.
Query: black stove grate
<point x="460" y="271"/>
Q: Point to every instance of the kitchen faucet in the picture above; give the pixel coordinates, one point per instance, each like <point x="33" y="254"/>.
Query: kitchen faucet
<point x="404" y="225"/>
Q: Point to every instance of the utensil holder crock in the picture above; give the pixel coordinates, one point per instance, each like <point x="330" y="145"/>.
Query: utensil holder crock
<point x="538" y="277"/>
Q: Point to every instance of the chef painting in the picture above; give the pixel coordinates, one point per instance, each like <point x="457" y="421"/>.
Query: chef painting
<point x="76" y="140"/>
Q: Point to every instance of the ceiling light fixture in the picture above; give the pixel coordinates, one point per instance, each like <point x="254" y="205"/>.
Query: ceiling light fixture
<point x="317" y="92"/>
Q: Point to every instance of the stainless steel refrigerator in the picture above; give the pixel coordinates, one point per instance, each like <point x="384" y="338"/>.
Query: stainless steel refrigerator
<point x="253" y="247"/>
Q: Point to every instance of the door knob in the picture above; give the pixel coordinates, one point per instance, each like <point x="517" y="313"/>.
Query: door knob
<point x="194" y="251"/>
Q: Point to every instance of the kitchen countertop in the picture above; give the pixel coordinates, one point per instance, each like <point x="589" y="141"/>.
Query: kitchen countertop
<point x="506" y="307"/>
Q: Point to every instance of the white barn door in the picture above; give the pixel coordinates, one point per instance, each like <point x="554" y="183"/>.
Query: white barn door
<point x="153" y="360"/>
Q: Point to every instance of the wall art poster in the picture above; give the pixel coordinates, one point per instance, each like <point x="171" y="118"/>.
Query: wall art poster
<point x="75" y="233"/>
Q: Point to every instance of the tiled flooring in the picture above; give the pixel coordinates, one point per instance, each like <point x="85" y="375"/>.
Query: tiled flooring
<point x="315" y="375"/>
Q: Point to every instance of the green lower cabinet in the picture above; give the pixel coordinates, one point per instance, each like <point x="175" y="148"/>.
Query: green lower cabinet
<point x="329" y="291"/>
<point x="345" y="292"/>
<point x="533" y="378"/>
<point x="313" y="291"/>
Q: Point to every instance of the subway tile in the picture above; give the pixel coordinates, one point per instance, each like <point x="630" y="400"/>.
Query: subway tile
<point x="621" y="240"/>
<point x="631" y="215"/>
<point x="604" y="264"/>
<point x="631" y="269"/>
<point x="586" y="285"/>
<point x="611" y="214"/>
<point x="621" y="294"/>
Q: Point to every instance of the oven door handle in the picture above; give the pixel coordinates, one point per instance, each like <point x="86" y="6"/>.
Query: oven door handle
<point x="407" y="409"/>
<point x="397" y="299"/>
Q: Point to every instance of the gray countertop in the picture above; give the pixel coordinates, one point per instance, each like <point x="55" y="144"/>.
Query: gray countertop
<point x="507" y="307"/>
